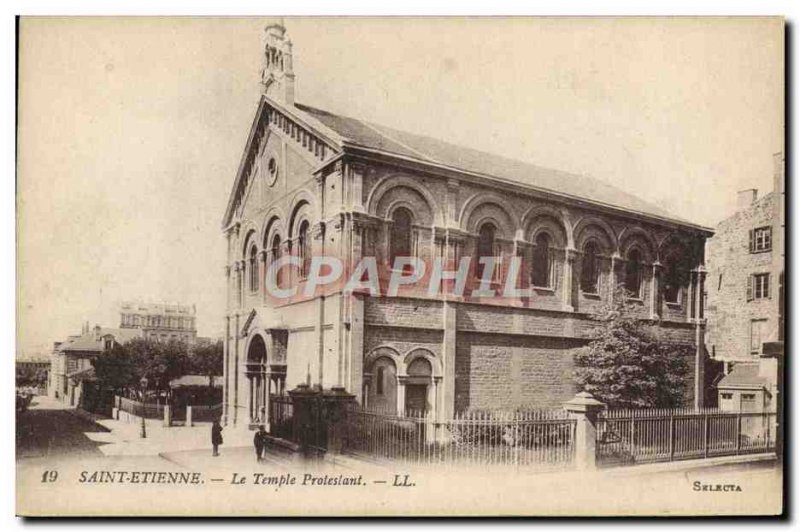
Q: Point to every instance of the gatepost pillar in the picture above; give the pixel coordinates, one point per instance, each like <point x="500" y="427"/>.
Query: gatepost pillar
<point x="303" y="408"/>
<point x="337" y="402"/>
<point x="584" y="409"/>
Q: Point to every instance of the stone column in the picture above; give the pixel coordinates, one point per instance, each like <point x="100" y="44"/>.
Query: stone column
<point x="655" y="290"/>
<point x="226" y="384"/>
<point x="569" y="263"/>
<point x="612" y="276"/>
<point x="236" y="370"/>
<point x="262" y="276"/>
<point x="401" y="395"/>
<point x="584" y="409"/>
<point x="449" y="358"/>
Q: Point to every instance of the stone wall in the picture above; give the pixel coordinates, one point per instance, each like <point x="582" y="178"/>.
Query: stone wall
<point x="729" y="264"/>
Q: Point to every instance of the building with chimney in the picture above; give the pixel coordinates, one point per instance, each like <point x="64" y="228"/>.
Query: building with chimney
<point x="745" y="295"/>
<point x="313" y="184"/>
<point x="160" y="321"/>
<point x="71" y="360"/>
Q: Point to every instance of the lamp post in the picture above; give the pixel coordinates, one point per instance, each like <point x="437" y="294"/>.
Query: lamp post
<point x="143" y="384"/>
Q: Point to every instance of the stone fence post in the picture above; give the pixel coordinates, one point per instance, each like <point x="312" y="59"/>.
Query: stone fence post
<point x="167" y="416"/>
<point x="584" y="409"/>
<point x="189" y="416"/>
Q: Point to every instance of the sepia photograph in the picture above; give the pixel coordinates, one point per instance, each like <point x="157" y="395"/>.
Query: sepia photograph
<point x="480" y="266"/>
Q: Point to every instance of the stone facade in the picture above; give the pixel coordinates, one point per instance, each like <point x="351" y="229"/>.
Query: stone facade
<point x="743" y="316"/>
<point x="303" y="190"/>
<point x="160" y="321"/>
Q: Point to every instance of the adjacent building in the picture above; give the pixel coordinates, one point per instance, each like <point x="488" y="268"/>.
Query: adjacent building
<point x="71" y="360"/>
<point x="313" y="183"/>
<point x="160" y="321"/>
<point x="745" y="287"/>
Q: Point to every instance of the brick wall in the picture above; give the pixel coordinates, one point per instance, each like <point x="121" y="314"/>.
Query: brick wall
<point x="506" y="372"/>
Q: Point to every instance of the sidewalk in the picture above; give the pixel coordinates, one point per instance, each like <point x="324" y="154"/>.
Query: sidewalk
<point x="124" y="439"/>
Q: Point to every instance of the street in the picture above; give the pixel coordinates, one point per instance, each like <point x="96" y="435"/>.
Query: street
<point x="46" y="429"/>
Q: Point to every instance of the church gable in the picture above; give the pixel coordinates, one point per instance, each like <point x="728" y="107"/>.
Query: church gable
<point x="281" y="153"/>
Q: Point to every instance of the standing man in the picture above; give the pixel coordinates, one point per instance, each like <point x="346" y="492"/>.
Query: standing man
<point x="260" y="441"/>
<point x="216" y="437"/>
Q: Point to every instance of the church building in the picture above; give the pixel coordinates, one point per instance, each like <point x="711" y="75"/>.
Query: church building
<point x="316" y="184"/>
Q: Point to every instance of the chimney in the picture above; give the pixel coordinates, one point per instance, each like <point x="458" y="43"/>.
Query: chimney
<point x="745" y="198"/>
<point x="777" y="173"/>
<point x="96" y="332"/>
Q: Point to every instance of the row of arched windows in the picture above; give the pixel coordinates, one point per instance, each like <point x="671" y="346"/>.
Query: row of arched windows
<point x="303" y="251"/>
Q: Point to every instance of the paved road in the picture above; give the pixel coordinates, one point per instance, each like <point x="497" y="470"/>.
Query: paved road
<point x="47" y="430"/>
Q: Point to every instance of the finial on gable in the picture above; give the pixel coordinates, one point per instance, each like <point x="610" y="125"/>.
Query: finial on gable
<point x="277" y="76"/>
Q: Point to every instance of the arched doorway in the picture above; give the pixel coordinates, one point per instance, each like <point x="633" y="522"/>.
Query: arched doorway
<point x="419" y="380"/>
<point x="381" y="389"/>
<point x="256" y="373"/>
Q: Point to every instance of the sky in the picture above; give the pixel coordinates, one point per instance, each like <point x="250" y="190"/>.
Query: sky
<point x="131" y="130"/>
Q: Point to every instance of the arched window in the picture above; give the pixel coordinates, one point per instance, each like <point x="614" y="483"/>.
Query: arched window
<point x="379" y="381"/>
<point x="590" y="269"/>
<point x="674" y="279"/>
<point x="487" y="247"/>
<point x="253" y="269"/>
<point x="304" y="249"/>
<point x="275" y="254"/>
<point x="542" y="264"/>
<point x="633" y="274"/>
<point x="401" y="234"/>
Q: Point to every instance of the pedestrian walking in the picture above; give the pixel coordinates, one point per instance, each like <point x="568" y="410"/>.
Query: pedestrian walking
<point x="260" y="442"/>
<point x="216" y="437"/>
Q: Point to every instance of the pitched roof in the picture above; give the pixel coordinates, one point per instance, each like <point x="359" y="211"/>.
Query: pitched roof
<point x="86" y="374"/>
<point x="743" y="376"/>
<point x="93" y="342"/>
<point x="195" y="380"/>
<point x="434" y="151"/>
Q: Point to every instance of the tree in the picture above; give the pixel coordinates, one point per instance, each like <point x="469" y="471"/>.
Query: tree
<point x="206" y="359"/>
<point x="159" y="362"/>
<point x="629" y="363"/>
<point x="116" y="369"/>
<point x="30" y="376"/>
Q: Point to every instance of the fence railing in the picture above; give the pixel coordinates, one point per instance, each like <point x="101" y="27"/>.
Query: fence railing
<point x="641" y="436"/>
<point x="206" y="414"/>
<point x="146" y="410"/>
<point x="522" y="439"/>
<point x="281" y="417"/>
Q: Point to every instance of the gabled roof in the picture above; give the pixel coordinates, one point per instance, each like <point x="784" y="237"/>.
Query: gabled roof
<point x="94" y="343"/>
<point x="743" y="376"/>
<point x="346" y="132"/>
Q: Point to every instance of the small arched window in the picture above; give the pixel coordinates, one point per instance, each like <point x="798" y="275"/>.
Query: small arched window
<point x="401" y="234"/>
<point x="379" y="381"/>
<point x="633" y="274"/>
<point x="275" y="254"/>
<point x="253" y="269"/>
<point x="542" y="264"/>
<point x="590" y="269"/>
<point x="304" y="249"/>
<point x="487" y="248"/>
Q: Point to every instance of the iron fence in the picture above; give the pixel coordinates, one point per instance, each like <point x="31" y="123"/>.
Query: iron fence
<point x="281" y="417"/>
<point x="146" y="410"/>
<point x="202" y="413"/>
<point x="521" y="439"/>
<point x="641" y="436"/>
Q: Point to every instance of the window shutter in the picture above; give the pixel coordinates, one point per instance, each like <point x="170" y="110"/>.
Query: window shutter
<point x="752" y="241"/>
<point x="767" y="287"/>
<point x="750" y="287"/>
